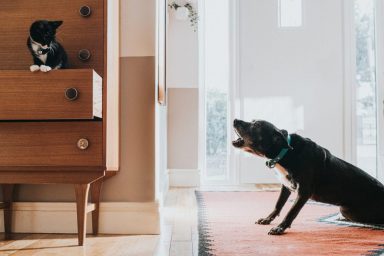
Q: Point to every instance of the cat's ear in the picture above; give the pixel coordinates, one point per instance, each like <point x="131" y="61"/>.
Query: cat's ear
<point x="56" y="24"/>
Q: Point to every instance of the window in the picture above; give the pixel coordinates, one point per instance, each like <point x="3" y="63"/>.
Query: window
<point x="290" y="13"/>
<point x="365" y="91"/>
<point x="216" y="81"/>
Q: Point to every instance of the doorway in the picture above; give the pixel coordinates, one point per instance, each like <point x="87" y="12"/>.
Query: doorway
<point x="314" y="77"/>
<point x="215" y="92"/>
<point x="365" y="87"/>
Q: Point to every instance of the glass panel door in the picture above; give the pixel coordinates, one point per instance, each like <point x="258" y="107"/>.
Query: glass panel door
<point x="216" y="77"/>
<point x="366" y="87"/>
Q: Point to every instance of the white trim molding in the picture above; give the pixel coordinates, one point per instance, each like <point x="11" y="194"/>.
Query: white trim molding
<point x="349" y="46"/>
<point x="201" y="79"/>
<point x="113" y="84"/>
<point x="136" y="218"/>
<point x="380" y="87"/>
<point x="184" y="177"/>
<point x="163" y="191"/>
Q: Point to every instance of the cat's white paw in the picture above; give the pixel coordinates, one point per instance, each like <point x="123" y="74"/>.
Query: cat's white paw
<point x="34" y="68"/>
<point x="44" y="68"/>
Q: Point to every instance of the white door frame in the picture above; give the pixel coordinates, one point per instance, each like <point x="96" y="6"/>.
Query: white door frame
<point x="380" y="86"/>
<point x="233" y="175"/>
<point x="349" y="83"/>
<point x="201" y="134"/>
<point x="236" y="108"/>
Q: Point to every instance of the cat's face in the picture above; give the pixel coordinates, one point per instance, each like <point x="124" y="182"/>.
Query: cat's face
<point x="44" y="31"/>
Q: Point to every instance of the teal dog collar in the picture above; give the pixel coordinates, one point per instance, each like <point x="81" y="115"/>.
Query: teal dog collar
<point x="271" y="163"/>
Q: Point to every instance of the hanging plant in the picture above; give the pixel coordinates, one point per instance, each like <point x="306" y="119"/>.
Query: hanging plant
<point x="186" y="11"/>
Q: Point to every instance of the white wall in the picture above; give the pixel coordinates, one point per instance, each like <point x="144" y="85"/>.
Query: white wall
<point x="292" y="77"/>
<point x="182" y="54"/>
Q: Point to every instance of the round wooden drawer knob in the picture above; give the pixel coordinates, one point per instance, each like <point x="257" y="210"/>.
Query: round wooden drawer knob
<point x="83" y="144"/>
<point x="84" y="55"/>
<point x="85" y="11"/>
<point x="71" y="94"/>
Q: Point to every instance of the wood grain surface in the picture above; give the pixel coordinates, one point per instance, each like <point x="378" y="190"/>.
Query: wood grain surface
<point x="75" y="34"/>
<point x="41" y="96"/>
<point x="34" y="144"/>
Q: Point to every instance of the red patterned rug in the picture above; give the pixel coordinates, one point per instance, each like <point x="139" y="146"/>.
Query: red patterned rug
<point x="226" y="227"/>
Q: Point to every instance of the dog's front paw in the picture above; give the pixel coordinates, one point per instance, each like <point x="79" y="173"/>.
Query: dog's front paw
<point x="264" y="221"/>
<point x="44" y="68"/>
<point x="34" y="68"/>
<point x="276" y="231"/>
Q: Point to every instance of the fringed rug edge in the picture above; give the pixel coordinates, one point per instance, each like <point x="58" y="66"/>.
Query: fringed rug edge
<point x="205" y="239"/>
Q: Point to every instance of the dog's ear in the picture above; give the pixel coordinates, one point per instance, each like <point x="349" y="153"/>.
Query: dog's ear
<point x="281" y="136"/>
<point x="55" y="24"/>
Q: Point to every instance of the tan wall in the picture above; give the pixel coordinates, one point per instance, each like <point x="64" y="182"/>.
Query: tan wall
<point x="183" y="127"/>
<point x="135" y="181"/>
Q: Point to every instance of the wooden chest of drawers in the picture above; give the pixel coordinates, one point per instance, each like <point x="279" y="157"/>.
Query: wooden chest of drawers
<point x="53" y="125"/>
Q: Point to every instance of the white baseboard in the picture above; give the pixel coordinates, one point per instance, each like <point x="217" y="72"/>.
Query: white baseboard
<point x="164" y="190"/>
<point x="184" y="177"/>
<point x="115" y="218"/>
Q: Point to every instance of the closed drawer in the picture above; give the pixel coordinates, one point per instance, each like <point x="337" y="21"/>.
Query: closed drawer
<point x="45" y="144"/>
<point x="59" y="94"/>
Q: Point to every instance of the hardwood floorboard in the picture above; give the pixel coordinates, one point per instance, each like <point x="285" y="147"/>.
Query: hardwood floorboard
<point x="179" y="235"/>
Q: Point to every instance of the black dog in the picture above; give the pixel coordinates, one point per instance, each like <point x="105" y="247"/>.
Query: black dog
<point x="314" y="172"/>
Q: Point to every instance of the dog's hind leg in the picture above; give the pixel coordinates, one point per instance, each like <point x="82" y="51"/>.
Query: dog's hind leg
<point x="283" y="197"/>
<point x="347" y="213"/>
<point x="371" y="213"/>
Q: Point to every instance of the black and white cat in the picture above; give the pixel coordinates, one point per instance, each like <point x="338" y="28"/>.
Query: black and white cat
<point x="47" y="53"/>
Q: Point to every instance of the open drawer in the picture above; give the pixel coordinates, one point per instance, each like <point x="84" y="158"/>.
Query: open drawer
<point x="58" y="94"/>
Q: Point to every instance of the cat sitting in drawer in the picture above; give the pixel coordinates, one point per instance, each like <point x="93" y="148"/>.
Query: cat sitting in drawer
<point x="47" y="53"/>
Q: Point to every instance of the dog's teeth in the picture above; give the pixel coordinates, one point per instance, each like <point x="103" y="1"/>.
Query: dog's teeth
<point x="237" y="133"/>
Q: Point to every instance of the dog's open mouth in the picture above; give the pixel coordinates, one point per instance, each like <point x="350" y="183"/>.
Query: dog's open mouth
<point x="239" y="142"/>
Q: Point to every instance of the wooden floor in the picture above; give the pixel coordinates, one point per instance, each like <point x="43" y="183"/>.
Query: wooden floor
<point x="66" y="245"/>
<point x="178" y="237"/>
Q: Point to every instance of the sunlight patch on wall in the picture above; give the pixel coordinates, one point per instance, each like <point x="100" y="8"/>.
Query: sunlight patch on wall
<point x="281" y="111"/>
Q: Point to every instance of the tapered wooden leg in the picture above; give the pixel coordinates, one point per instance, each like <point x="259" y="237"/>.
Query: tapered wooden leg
<point x="8" y="200"/>
<point x="95" y="199"/>
<point x="81" y="191"/>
